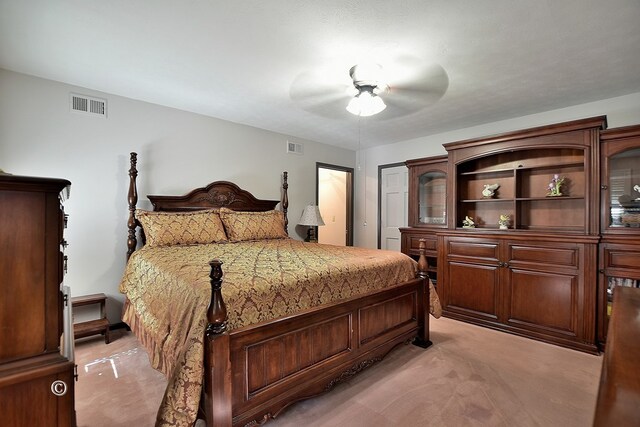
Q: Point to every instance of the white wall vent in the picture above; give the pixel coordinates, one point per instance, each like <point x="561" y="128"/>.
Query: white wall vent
<point x="295" y="148"/>
<point x="88" y="105"/>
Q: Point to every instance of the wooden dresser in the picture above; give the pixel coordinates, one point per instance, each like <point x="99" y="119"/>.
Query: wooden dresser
<point x="36" y="379"/>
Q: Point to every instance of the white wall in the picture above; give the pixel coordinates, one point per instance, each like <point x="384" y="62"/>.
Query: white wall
<point x="177" y="151"/>
<point x="620" y="111"/>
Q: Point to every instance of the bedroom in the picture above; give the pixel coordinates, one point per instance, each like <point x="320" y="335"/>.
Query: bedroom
<point x="40" y="136"/>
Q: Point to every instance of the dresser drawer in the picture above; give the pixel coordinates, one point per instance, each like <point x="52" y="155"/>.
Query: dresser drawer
<point x="473" y="249"/>
<point x="411" y="243"/>
<point x="546" y="255"/>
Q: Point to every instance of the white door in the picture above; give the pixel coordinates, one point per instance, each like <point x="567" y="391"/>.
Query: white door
<point x="394" y="206"/>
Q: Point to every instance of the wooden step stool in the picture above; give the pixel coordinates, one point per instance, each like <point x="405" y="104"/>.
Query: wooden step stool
<point x="92" y="327"/>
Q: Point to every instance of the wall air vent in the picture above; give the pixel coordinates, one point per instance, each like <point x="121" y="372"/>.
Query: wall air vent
<point x="88" y="105"/>
<point x="294" y="148"/>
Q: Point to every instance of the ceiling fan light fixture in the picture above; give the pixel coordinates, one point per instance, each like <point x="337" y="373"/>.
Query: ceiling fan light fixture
<point x="366" y="103"/>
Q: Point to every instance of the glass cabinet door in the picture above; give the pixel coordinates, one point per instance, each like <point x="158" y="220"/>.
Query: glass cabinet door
<point x="624" y="189"/>
<point x="432" y="198"/>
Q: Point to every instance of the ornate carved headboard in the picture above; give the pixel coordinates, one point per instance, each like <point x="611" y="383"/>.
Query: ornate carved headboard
<point x="218" y="194"/>
<point x="215" y="195"/>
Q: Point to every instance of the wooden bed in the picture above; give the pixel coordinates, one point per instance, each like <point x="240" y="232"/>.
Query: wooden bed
<point x="295" y="356"/>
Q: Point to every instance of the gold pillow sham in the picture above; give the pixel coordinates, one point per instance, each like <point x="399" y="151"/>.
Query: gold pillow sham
<point x="181" y="228"/>
<point x="243" y="225"/>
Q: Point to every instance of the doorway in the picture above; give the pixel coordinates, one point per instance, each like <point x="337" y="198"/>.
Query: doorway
<point x="334" y="196"/>
<point x="393" y="181"/>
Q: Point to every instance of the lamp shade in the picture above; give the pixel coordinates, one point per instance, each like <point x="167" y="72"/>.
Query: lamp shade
<point x="366" y="104"/>
<point x="311" y="216"/>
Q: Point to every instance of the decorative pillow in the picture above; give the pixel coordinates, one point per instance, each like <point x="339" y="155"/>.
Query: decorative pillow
<point x="181" y="228"/>
<point x="242" y="225"/>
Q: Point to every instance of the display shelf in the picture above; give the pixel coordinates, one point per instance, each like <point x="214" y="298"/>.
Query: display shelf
<point x="549" y="198"/>
<point x="522" y="192"/>
<point x="529" y="278"/>
<point x="535" y="182"/>
<point x="491" y="201"/>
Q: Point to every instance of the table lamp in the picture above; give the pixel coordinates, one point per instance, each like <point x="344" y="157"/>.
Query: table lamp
<point x="311" y="218"/>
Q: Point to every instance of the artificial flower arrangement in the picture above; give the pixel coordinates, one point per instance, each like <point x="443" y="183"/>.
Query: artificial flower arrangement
<point x="554" y="186"/>
<point x="504" y="220"/>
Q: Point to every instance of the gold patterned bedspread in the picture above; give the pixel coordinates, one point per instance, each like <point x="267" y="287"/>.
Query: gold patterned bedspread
<point x="168" y="291"/>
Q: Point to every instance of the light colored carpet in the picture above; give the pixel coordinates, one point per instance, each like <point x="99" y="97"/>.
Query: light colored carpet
<point x="471" y="376"/>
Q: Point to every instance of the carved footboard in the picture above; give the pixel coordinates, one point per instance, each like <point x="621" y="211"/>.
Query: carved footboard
<point x="253" y="373"/>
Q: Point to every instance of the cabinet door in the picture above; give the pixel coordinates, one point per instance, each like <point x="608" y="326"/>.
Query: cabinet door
<point x="543" y="288"/>
<point x="432" y="198"/>
<point x="472" y="284"/>
<point x="428" y="192"/>
<point x="620" y="266"/>
<point x="32" y="402"/>
<point x="23" y="268"/>
<point x="621" y="188"/>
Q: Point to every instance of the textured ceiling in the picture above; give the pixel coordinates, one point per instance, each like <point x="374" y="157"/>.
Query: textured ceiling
<point x="238" y="60"/>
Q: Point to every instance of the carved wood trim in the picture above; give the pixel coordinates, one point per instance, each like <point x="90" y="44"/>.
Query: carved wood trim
<point x="132" y="198"/>
<point x="217" y="312"/>
<point x="285" y="200"/>
<point x="346" y="375"/>
<point x="218" y="194"/>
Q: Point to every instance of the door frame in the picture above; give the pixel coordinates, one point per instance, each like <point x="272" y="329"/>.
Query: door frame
<point x="380" y="168"/>
<point x="350" y="195"/>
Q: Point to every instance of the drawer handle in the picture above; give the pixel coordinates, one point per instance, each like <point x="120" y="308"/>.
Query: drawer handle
<point x="59" y="388"/>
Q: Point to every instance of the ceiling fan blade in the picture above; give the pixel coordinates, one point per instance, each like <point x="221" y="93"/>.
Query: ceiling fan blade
<point x="329" y="108"/>
<point x="319" y="94"/>
<point x="430" y="78"/>
<point x="414" y="89"/>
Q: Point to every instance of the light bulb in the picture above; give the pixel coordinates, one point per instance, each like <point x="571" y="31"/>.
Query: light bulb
<point x="366" y="104"/>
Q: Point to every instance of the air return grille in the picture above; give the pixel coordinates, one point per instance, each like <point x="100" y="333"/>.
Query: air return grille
<point x="88" y="105"/>
<point x="294" y="148"/>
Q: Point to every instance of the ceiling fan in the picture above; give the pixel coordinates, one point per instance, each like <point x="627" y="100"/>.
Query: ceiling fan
<point x="398" y="88"/>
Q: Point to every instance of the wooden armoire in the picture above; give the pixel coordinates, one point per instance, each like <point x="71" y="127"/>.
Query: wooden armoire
<point x="36" y="379"/>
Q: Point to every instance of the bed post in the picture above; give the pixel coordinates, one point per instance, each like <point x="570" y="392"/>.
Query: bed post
<point x="423" y="266"/>
<point x="422" y="340"/>
<point x="217" y="355"/>
<point x="132" y="198"/>
<point x="285" y="200"/>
